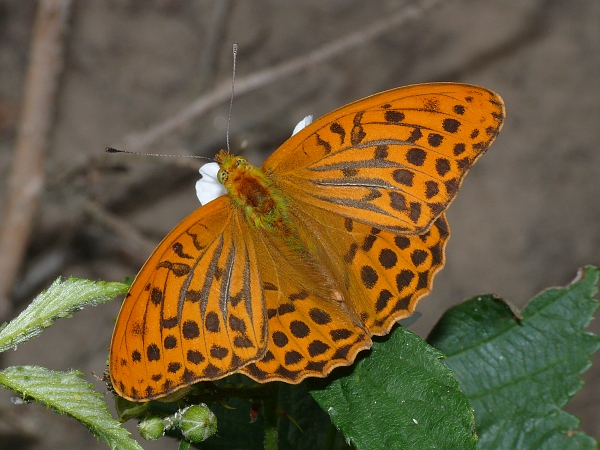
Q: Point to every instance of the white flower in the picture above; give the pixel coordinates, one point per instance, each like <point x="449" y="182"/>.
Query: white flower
<point x="303" y="124"/>
<point x="208" y="187"/>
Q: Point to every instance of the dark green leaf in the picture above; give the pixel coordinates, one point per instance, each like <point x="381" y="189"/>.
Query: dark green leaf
<point x="234" y="428"/>
<point x="400" y="397"/>
<point x="519" y="372"/>
<point x="302" y="424"/>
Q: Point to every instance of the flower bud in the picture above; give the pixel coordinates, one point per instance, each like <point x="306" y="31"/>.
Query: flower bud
<point x="151" y="428"/>
<point x="197" y="423"/>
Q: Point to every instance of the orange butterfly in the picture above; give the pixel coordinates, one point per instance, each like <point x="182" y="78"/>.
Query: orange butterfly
<point x="333" y="240"/>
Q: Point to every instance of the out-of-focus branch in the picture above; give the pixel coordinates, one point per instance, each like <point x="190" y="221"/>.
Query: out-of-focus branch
<point x="141" y="141"/>
<point x="26" y="179"/>
<point x="214" y="36"/>
<point x="143" y="246"/>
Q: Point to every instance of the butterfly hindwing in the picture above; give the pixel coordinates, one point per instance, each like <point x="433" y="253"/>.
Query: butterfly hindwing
<point x="309" y="334"/>
<point x="381" y="275"/>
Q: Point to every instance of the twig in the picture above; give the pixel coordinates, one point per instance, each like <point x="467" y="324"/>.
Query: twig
<point x="214" y="35"/>
<point x="26" y="180"/>
<point x="120" y="227"/>
<point x="39" y="271"/>
<point x="141" y="141"/>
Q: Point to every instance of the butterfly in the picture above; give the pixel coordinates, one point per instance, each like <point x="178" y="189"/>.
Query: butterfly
<point x="335" y="238"/>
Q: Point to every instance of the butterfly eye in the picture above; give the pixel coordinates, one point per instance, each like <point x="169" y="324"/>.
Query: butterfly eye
<point x="222" y="176"/>
<point x="240" y="161"/>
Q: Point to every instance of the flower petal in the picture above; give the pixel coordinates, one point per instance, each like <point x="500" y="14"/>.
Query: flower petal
<point x="208" y="187"/>
<point x="303" y="124"/>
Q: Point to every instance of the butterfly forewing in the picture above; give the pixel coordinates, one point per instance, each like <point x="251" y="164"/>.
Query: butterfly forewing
<point x="195" y="311"/>
<point x="394" y="160"/>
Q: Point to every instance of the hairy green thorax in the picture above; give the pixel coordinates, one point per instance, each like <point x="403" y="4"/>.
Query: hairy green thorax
<point x="252" y="192"/>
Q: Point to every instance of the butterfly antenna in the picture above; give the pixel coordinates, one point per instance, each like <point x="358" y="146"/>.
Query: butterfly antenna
<point x="235" y="50"/>
<point x="114" y="150"/>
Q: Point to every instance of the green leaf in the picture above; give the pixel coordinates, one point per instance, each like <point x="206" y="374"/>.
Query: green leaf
<point x="61" y="299"/>
<point x="400" y="397"/>
<point x="67" y="393"/>
<point x="305" y="425"/>
<point x="518" y="373"/>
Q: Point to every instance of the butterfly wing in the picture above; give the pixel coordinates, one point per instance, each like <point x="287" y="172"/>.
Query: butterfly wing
<point x="311" y="330"/>
<point x="379" y="278"/>
<point x="195" y="311"/>
<point x="383" y="275"/>
<point x="394" y="160"/>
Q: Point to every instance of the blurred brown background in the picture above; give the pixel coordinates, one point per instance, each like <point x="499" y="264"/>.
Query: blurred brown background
<point x="526" y="218"/>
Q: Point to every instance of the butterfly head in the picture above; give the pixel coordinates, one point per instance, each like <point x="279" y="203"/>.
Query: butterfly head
<point x="233" y="176"/>
<point x="216" y="177"/>
<point x="231" y="168"/>
<point x="250" y="190"/>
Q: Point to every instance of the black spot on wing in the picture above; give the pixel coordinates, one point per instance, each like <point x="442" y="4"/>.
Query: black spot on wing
<point x="394" y="116"/>
<point x="339" y="130"/>
<point x="416" y="156"/>
<point x="459" y="109"/>
<point x="178" y="250"/>
<point x="450" y="125"/>
<point x="326" y="145"/>
<point x="358" y="133"/>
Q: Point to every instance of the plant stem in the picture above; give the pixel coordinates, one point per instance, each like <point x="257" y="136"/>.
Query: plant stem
<point x="270" y="412"/>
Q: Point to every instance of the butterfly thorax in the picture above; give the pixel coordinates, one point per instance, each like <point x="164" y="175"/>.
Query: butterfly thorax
<point x="252" y="192"/>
